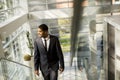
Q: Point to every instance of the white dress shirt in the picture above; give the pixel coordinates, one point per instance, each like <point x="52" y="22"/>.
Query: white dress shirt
<point x="47" y="40"/>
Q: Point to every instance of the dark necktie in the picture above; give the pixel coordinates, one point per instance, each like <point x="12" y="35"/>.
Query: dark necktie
<point x="45" y="44"/>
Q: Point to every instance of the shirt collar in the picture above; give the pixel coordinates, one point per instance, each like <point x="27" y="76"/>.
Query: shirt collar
<point x="47" y="38"/>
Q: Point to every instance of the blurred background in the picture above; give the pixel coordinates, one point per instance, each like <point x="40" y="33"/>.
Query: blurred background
<point x="88" y="31"/>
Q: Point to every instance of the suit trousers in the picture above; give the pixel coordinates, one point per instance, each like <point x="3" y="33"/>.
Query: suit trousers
<point x="53" y="75"/>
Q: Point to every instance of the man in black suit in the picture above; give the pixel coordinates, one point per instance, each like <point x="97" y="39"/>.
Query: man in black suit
<point x="47" y="54"/>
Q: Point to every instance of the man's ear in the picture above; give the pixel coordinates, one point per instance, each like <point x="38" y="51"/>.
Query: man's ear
<point x="46" y="32"/>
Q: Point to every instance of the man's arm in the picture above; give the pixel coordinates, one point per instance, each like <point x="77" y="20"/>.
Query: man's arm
<point x="60" y="55"/>
<point x="36" y="59"/>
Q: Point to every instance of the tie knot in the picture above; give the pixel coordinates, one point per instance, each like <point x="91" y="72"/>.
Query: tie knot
<point x="44" y="39"/>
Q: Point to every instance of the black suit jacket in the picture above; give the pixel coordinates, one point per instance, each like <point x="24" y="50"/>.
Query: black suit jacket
<point x="48" y="59"/>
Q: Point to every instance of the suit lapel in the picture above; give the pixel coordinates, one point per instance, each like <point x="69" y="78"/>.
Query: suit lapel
<point x="40" y="42"/>
<point x="50" y="42"/>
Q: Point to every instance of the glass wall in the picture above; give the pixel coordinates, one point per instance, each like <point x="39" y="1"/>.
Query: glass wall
<point x="91" y="22"/>
<point x="11" y="70"/>
<point x="16" y="45"/>
<point x="38" y="5"/>
<point x="61" y="15"/>
<point x="57" y="27"/>
<point x="8" y="8"/>
<point x="11" y="8"/>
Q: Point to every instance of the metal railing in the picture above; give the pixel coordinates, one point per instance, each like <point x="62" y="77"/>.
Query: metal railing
<point x="12" y="70"/>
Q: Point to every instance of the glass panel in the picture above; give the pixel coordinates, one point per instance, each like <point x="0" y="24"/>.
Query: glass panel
<point x="36" y="2"/>
<point x="1" y="74"/>
<point x="16" y="45"/>
<point x="49" y="4"/>
<point x="37" y="7"/>
<point x="2" y="4"/>
<point x="60" y="5"/>
<point x="104" y="2"/>
<point x="58" y="1"/>
<point x="73" y="72"/>
<point x="9" y="9"/>
<point x="9" y="13"/>
<point x="15" y="71"/>
<point x="57" y="27"/>
<point x="9" y="3"/>
<point x="115" y="8"/>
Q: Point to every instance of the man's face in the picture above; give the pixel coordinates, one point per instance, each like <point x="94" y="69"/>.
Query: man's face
<point x="42" y="33"/>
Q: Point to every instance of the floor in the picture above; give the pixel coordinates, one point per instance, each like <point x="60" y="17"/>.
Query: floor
<point x="73" y="73"/>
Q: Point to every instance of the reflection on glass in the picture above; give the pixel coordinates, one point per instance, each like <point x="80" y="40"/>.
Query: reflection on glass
<point x="50" y="4"/>
<point x="14" y="71"/>
<point x="8" y="9"/>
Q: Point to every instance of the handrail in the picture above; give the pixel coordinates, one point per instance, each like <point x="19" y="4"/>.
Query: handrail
<point x="8" y="43"/>
<point x="15" y="62"/>
<point x="10" y="72"/>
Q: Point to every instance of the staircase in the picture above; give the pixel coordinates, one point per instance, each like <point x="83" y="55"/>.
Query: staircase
<point x="11" y="70"/>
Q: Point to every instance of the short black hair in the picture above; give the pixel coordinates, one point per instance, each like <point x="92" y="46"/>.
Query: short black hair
<point x="44" y="27"/>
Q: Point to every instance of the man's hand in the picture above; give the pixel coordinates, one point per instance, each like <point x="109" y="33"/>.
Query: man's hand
<point x="37" y="72"/>
<point x="61" y="70"/>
